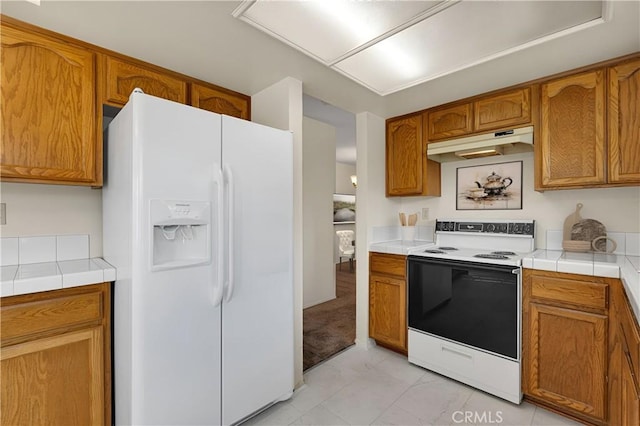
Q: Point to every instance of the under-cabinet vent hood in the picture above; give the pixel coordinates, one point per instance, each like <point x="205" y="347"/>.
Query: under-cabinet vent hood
<point x="499" y="143"/>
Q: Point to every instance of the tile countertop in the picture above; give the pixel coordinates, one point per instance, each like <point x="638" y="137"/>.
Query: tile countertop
<point x="399" y="246"/>
<point x="36" y="277"/>
<point x="625" y="267"/>
<point x="51" y="262"/>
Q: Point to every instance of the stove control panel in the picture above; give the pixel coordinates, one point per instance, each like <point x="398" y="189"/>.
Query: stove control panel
<point x="509" y="228"/>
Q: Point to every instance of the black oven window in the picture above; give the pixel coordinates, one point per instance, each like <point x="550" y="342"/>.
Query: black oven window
<point x="474" y="305"/>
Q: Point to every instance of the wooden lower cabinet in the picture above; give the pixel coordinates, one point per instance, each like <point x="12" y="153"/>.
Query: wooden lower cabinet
<point x="624" y="360"/>
<point x="388" y="301"/>
<point x="565" y="343"/>
<point x="56" y="357"/>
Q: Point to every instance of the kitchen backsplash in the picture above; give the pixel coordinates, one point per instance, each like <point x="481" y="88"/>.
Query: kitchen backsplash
<point x="627" y="242"/>
<point x="51" y="248"/>
<point x="379" y="234"/>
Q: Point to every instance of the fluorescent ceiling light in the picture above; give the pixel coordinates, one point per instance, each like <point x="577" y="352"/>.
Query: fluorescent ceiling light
<point x="389" y="46"/>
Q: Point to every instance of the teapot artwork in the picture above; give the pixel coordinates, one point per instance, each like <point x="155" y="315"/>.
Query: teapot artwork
<point x="495" y="184"/>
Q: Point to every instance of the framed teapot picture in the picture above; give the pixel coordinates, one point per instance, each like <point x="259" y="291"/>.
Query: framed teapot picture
<point x="489" y="187"/>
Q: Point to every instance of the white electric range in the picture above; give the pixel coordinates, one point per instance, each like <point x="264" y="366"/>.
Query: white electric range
<point x="464" y="303"/>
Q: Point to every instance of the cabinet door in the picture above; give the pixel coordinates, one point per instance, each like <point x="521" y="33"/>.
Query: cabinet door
<point x="624" y="123"/>
<point x="503" y="110"/>
<point x="388" y="311"/>
<point x="629" y="398"/>
<point x="567" y="359"/>
<point x="215" y="100"/>
<point x="48" y="110"/>
<point x="56" y="380"/>
<point x="572" y="126"/>
<point x="449" y="122"/>
<point x="405" y="156"/>
<point x="120" y="78"/>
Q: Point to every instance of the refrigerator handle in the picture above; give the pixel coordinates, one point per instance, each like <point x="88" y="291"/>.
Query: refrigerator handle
<point x="230" y="214"/>
<point x="219" y="284"/>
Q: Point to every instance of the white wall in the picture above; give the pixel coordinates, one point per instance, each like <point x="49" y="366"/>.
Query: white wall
<point x="319" y="163"/>
<point x="617" y="208"/>
<point x="280" y="106"/>
<point x="343" y="178"/>
<point x="36" y="209"/>
<point x="372" y="207"/>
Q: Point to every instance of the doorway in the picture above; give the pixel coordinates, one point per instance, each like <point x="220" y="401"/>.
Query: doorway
<point x="330" y="326"/>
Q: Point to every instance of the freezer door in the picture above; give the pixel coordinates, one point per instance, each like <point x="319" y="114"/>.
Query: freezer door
<point x="176" y="327"/>
<point x="257" y="314"/>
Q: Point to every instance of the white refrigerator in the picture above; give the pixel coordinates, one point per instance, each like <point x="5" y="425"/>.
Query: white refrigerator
<point x="198" y="213"/>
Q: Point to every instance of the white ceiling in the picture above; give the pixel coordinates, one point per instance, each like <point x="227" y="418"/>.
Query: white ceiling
<point x="388" y="46"/>
<point x="204" y="40"/>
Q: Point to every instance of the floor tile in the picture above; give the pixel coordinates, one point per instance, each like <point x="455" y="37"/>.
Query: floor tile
<point x="380" y="387"/>
<point x="486" y="409"/>
<point x="544" y="417"/>
<point x="399" y="367"/>
<point x="434" y="401"/>
<point x="283" y="413"/>
<point x="319" y="416"/>
<point x="364" y="400"/>
<point x="395" y="415"/>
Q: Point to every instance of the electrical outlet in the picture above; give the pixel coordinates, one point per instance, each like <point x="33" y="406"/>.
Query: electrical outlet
<point x="3" y="213"/>
<point x="425" y="213"/>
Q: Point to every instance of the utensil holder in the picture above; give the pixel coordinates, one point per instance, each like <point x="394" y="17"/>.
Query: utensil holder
<point x="408" y="233"/>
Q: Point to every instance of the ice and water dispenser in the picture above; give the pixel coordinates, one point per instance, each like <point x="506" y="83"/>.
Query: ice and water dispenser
<point x="181" y="233"/>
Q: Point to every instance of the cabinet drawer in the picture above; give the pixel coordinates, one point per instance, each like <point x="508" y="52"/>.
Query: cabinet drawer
<point x="39" y="316"/>
<point x="387" y="264"/>
<point x="571" y="291"/>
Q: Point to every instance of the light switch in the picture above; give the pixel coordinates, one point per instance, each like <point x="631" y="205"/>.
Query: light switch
<point x="425" y="213"/>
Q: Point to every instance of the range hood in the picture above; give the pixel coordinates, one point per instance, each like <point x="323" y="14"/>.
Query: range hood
<point x="486" y="145"/>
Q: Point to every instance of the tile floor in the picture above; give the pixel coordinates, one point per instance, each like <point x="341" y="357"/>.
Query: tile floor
<point x="380" y="387"/>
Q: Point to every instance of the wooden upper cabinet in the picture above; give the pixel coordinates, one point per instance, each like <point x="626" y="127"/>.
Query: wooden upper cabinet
<point x="408" y="171"/>
<point x="624" y="122"/>
<point x="222" y="102"/>
<point x="503" y="110"/>
<point x="572" y="131"/>
<point x="443" y="123"/>
<point x="48" y="110"/>
<point x="120" y="77"/>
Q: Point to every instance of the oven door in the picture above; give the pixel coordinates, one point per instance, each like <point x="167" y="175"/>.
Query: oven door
<point x="475" y="304"/>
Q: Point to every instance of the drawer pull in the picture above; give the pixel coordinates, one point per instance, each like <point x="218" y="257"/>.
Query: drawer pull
<point x="453" y="351"/>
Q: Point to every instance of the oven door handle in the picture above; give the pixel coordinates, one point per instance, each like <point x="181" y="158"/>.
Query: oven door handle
<point x="459" y="263"/>
<point x="516" y="271"/>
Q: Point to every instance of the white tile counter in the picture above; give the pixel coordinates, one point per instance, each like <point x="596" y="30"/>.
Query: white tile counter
<point x="34" y="264"/>
<point x="45" y="276"/>
<point x="625" y="267"/>
<point x="399" y="246"/>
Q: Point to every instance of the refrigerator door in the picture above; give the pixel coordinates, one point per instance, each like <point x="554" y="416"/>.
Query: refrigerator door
<point x="257" y="314"/>
<point x="176" y="336"/>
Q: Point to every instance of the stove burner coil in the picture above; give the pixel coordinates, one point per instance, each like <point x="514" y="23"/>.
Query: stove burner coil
<point x="435" y="251"/>
<point x="447" y="248"/>
<point x="504" y="253"/>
